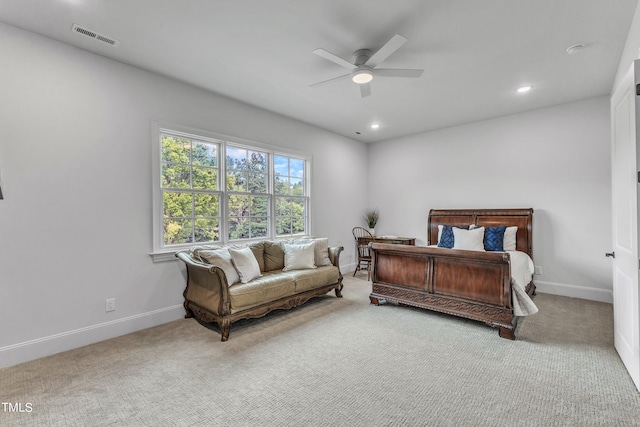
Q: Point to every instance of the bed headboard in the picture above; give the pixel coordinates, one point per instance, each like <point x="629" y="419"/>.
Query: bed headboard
<point x="522" y="218"/>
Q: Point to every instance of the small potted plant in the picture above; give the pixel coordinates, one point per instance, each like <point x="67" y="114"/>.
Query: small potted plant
<point x="371" y="217"/>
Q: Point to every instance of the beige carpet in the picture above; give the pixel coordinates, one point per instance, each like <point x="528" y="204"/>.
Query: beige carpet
<point x="339" y="362"/>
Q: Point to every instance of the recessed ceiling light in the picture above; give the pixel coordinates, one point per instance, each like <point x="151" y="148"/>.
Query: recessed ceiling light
<point x="572" y="50"/>
<point x="524" y="89"/>
<point x="375" y="126"/>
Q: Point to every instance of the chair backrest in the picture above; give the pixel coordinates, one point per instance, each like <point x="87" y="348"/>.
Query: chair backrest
<point x="359" y="232"/>
<point x="363" y="237"/>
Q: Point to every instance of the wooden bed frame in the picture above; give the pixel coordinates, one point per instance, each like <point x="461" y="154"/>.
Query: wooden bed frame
<point x="471" y="284"/>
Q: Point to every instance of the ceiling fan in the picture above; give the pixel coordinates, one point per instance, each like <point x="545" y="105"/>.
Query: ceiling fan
<point x="363" y="69"/>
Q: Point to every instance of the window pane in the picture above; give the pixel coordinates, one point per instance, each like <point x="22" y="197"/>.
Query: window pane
<point x="178" y="231"/>
<point x="283" y="226"/>
<point x="282" y="185"/>
<point x="175" y="176"/>
<point x="238" y="228"/>
<point x="206" y="230"/>
<point x="259" y="206"/>
<point x="238" y="205"/>
<point x="281" y="165"/>
<point x="205" y="154"/>
<point x="206" y="204"/>
<point x="236" y="158"/>
<point x="297" y="226"/>
<point x="259" y="227"/>
<point x="297" y="207"/>
<point x="296" y="168"/>
<point x="257" y="161"/>
<point x="175" y="149"/>
<point x="283" y="206"/>
<point x="177" y="205"/>
<point x="296" y="186"/>
<point x="257" y="183"/>
<point x="236" y="181"/>
<point x="205" y="178"/>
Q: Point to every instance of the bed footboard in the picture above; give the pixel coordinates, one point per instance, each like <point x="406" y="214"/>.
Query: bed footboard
<point x="470" y="284"/>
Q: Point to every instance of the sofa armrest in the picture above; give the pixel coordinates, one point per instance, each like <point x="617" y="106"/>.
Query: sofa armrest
<point x="334" y="255"/>
<point x="207" y="285"/>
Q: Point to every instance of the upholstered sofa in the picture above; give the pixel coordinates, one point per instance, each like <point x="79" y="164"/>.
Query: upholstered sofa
<point x="226" y="284"/>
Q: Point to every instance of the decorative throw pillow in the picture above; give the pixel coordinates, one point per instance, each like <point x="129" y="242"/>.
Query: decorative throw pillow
<point x="510" y="238"/>
<point x="494" y="238"/>
<point x="221" y="258"/>
<point x="245" y="263"/>
<point x="471" y="240"/>
<point x="446" y="238"/>
<point x="299" y="256"/>
<point x="321" y="250"/>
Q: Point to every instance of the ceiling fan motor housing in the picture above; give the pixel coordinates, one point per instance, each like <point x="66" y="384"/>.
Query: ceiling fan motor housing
<point x="361" y="56"/>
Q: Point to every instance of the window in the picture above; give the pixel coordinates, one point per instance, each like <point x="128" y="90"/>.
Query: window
<point x="247" y="194"/>
<point x="209" y="189"/>
<point x="190" y="196"/>
<point x="291" y="203"/>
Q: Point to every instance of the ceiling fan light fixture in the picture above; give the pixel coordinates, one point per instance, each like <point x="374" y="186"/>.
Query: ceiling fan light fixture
<point x="362" y="76"/>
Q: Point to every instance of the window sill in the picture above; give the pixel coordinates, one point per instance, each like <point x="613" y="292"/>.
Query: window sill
<point x="163" y="256"/>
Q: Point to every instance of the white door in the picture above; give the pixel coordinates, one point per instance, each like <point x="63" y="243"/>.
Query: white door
<point x="626" y="305"/>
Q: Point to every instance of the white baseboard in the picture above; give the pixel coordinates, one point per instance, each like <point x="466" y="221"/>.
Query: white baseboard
<point x="573" y="291"/>
<point x="53" y="344"/>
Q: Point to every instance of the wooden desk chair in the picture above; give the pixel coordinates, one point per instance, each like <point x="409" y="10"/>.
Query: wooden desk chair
<point x="363" y="237"/>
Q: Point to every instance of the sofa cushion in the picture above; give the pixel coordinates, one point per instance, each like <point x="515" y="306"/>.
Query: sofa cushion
<point x="221" y="258"/>
<point x="269" y="287"/>
<point x="273" y="256"/>
<point x="258" y="251"/>
<point x="310" y="279"/>
<point x="321" y="250"/>
<point x="245" y="263"/>
<point x="299" y="256"/>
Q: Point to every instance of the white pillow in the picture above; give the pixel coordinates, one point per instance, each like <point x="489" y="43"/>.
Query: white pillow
<point x="509" y="242"/>
<point x="321" y="250"/>
<point x="246" y="264"/>
<point x="222" y="258"/>
<point x="299" y="256"/>
<point x="472" y="240"/>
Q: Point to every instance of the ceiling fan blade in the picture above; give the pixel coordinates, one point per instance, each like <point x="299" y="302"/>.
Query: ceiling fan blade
<point x="334" y="58"/>
<point x="397" y="72"/>
<point x="365" y="90"/>
<point x="330" y="80"/>
<point x="385" y="51"/>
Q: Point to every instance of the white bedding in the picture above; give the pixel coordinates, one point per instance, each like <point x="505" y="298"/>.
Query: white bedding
<point x="521" y="275"/>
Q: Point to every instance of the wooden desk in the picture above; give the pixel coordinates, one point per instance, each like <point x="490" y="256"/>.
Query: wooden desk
<point x="389" y="239"/>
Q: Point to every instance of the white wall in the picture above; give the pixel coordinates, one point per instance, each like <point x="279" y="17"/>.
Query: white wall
<point x="631" y="49"/>
<point x="555" y="160"/>
<point x="76" y="221"/>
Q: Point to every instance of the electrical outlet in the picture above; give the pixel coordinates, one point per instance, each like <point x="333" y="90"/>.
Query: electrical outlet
<point x="110" y="305"/>
<point x="537" y="270"/>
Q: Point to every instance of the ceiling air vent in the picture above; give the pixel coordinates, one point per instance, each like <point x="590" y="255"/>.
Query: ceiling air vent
<point x="89" y="33"/>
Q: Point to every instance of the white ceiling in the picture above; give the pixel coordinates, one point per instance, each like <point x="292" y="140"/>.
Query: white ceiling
<point x="474" y="53"/>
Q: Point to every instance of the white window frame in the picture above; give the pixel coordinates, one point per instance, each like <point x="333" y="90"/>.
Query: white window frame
<point x="162" y="252"/>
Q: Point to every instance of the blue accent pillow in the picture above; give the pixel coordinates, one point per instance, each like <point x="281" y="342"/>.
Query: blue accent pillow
<point x="446" y="238"/>
<point x="494" y="238"/>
